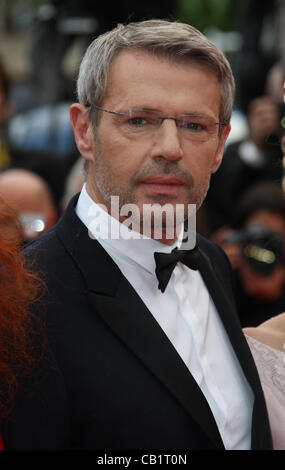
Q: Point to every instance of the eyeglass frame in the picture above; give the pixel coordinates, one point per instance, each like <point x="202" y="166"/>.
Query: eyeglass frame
<point x="161" y="118"/>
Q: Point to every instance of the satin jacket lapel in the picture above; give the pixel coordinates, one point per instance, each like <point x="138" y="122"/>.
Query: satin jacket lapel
<point x="117" y="303"/>
<point x="227" y="312"/>
<point x="231" y="323"/>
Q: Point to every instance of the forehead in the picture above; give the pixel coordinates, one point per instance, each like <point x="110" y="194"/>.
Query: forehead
<point x="138" y="78"/>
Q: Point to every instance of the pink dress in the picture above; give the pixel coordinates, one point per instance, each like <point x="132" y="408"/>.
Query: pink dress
<point x="270" y="364"/>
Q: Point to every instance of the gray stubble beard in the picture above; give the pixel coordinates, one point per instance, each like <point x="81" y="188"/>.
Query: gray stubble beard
<point x="107" y="185"/>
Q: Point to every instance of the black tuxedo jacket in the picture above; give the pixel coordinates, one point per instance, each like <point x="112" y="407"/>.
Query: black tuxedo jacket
<point x="115" y="381"/>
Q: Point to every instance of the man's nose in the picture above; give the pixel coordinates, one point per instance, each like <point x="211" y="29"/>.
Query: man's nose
<point x="167" y="141"/>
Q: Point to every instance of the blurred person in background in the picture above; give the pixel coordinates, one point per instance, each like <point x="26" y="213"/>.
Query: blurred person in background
<point x="262" y="45"/>
<point x="267" y="344"/>
<point x="25" y="141"/>
<point x="27" y="370"/>
<point x="5" y="157"/>
<point x="19" y="288"/>
<point x="255" y="159"/>
<point x="254" y="244"/>
<point x="31" y="198"/>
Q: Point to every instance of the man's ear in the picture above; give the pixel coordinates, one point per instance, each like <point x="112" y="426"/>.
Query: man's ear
<point x="220" y="150"/>
<point x="83" y="131"/>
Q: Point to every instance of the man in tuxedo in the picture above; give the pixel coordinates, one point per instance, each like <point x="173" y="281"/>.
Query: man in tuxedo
<point x="142" y="329"/>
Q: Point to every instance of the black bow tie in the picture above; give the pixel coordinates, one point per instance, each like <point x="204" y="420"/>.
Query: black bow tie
<point x="166" y="262"/>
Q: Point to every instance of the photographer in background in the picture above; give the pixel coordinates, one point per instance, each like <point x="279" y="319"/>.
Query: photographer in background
<point x="254" y="244"/>
<point x="255" y="159"/>
<point x="31" y="198"/>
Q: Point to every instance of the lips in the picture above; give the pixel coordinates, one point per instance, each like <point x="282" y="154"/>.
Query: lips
<point x="162" y="180"/>
<point x="163" y="185"/>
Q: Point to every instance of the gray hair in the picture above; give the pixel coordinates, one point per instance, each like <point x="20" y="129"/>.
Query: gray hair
<point x="172" y="40"/>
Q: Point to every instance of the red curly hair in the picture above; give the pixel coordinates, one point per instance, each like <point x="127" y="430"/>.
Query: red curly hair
<point x="19" y="288"/>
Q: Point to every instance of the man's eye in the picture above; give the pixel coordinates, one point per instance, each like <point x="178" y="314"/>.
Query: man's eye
<point x="137" y="121"/>
<point x="192" y="126"/>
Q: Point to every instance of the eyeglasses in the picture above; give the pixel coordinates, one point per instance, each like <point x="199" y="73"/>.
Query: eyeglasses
<point x="143" y="122"/>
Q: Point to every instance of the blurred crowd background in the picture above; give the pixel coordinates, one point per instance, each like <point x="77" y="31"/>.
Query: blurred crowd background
<point x="41" y="46"/>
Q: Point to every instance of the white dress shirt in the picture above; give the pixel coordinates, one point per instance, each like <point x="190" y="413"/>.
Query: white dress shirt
<point x="187" y="315"/>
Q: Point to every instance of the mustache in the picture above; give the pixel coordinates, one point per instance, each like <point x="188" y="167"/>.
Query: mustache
<point x="160" y="168"/>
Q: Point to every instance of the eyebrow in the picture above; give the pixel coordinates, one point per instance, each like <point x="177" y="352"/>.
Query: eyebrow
<point x="140" y="108"/>
<point x="151" y="110"/>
